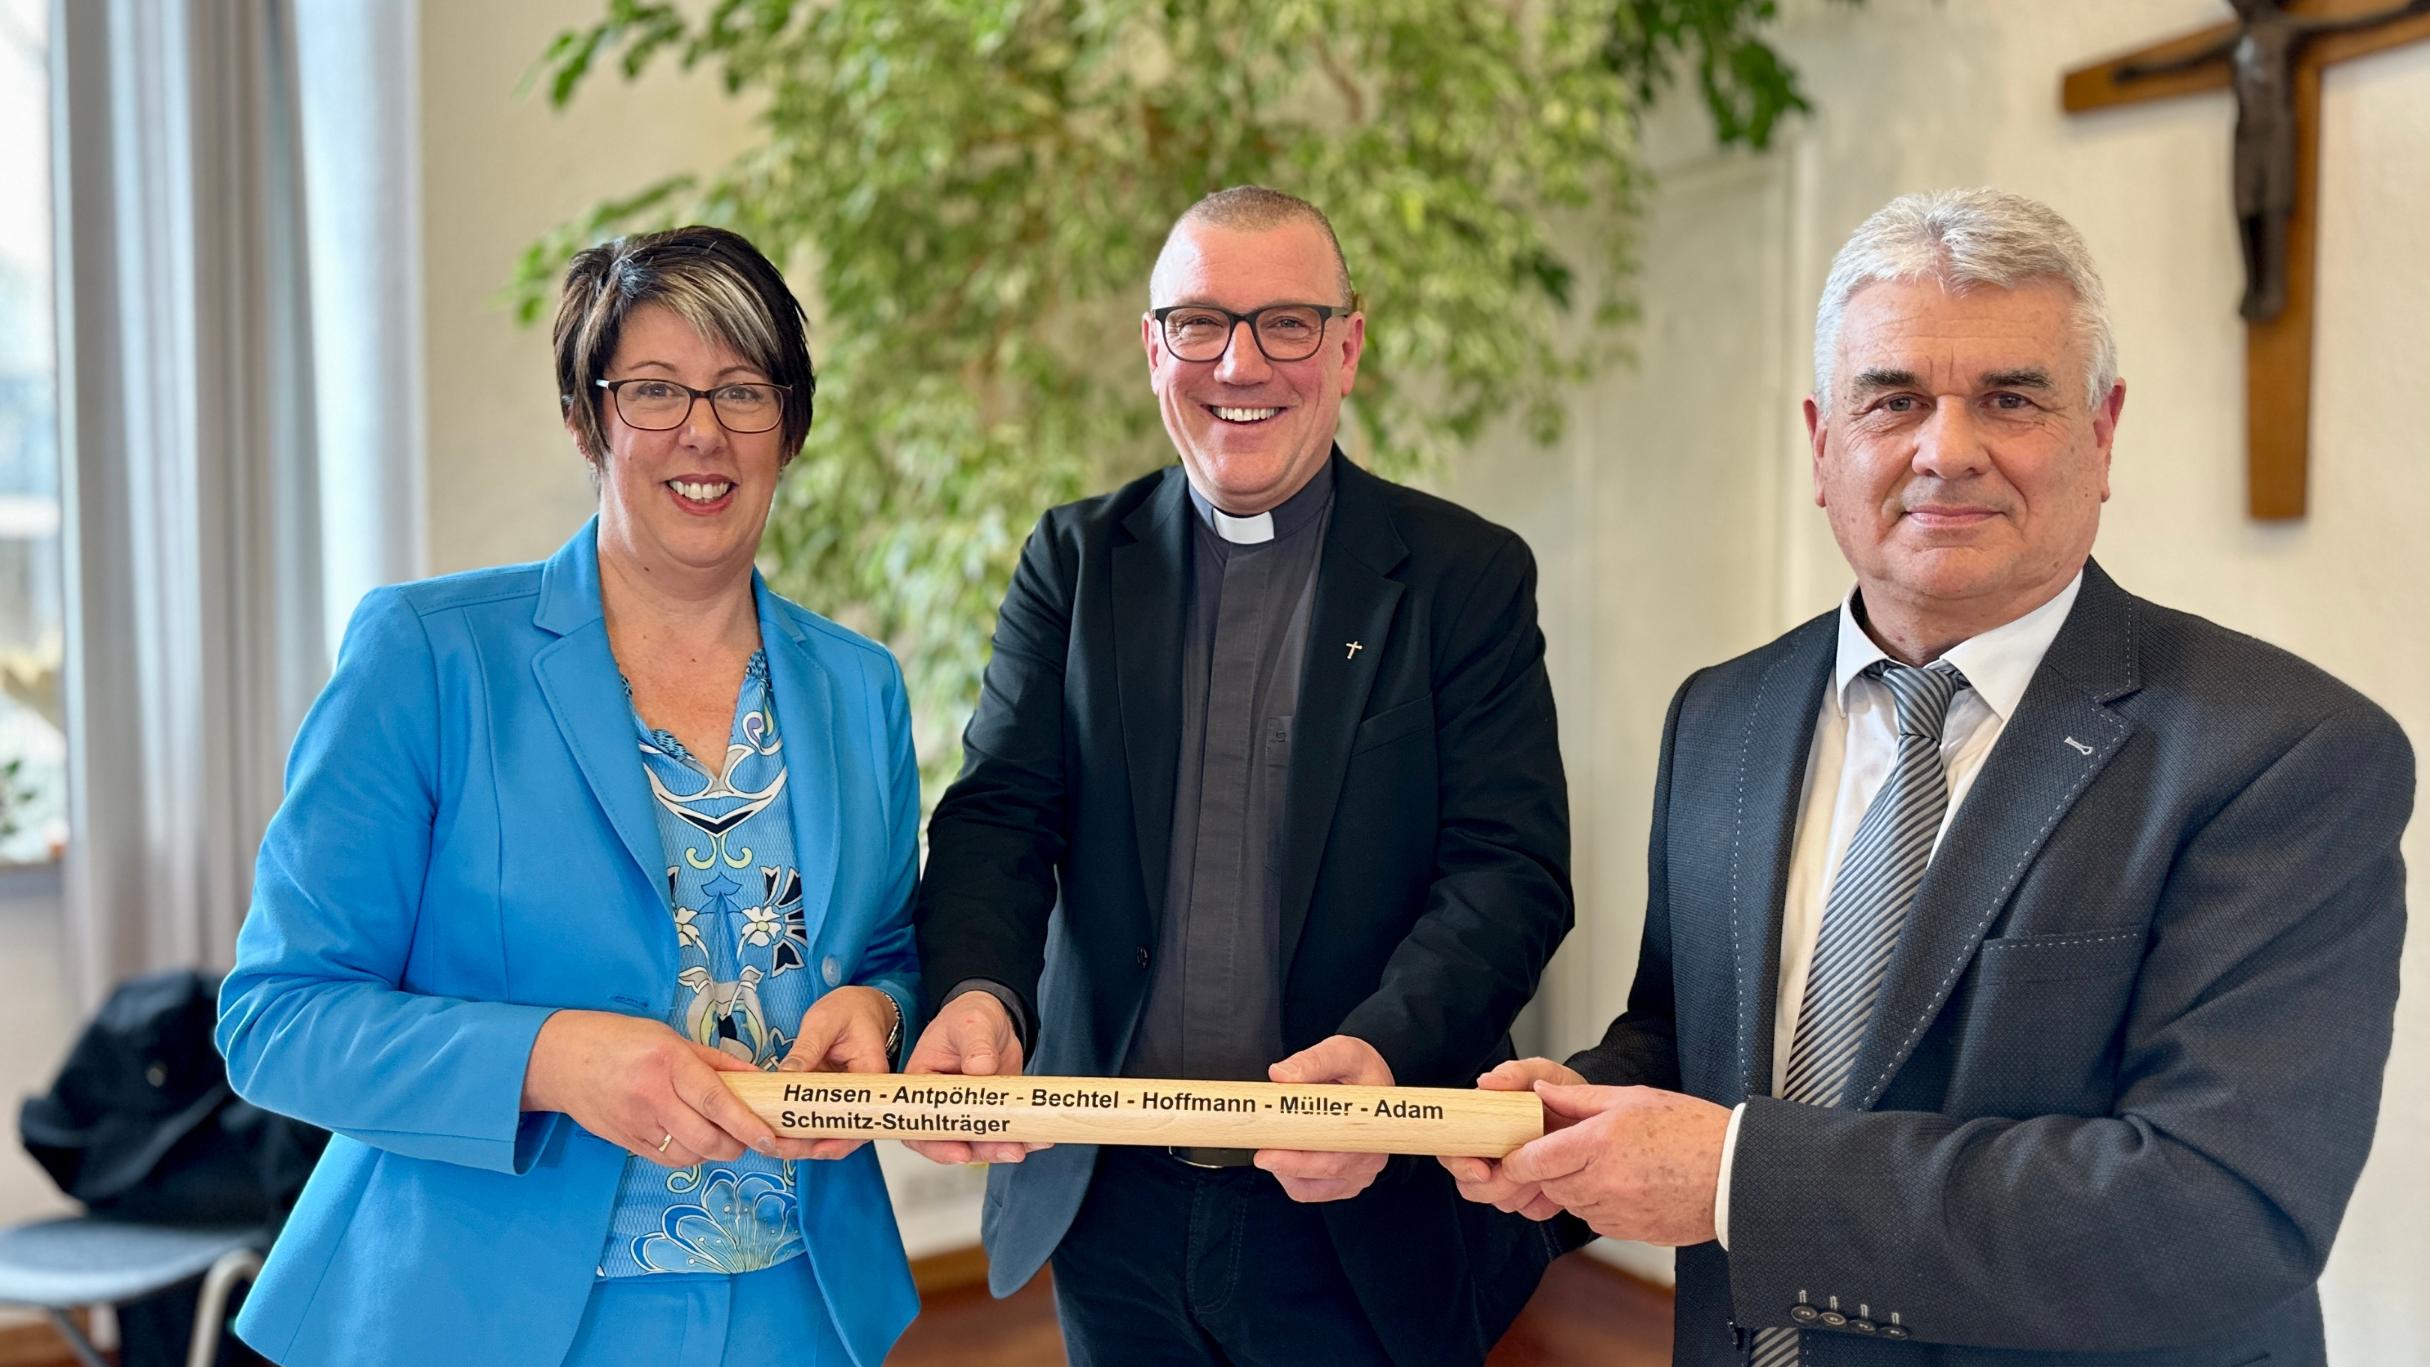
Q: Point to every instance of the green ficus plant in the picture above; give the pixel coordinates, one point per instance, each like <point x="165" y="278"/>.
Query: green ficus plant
<point x="970" y="194"/>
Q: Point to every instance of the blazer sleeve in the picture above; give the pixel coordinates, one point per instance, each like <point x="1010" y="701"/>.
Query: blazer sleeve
<point x="1500" y="901"/>
<point x="312" y="1019"/>
<point x="2249" y="1073"/>
<point x="998" y="833"/>
<point x="1641" y="1046"/>
<point x="891" y="963"/>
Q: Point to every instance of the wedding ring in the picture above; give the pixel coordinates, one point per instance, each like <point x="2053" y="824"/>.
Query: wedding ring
<point x="662" y="1144"/>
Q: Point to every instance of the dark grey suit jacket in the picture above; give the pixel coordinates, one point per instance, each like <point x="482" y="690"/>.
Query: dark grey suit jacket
<point x="1424" y="865"/>
<point x="2126" y="1062"/>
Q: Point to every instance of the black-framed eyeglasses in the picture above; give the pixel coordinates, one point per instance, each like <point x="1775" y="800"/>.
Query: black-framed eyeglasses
<point x="1284" y="332"/>
<point x="655" y="405"/>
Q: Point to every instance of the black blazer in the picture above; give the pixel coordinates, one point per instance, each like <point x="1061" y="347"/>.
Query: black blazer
<point x="2126" y="1060"/>
<point x="1425" y="868"/>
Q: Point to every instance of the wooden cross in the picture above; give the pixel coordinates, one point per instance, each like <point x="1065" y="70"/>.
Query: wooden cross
<point x="2278" y="348"/>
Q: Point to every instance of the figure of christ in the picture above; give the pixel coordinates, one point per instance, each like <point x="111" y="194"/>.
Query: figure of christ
<point x="2261" y="56"/>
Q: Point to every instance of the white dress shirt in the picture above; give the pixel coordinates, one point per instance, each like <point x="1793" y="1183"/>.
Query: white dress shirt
<point x="1855" y="743"/>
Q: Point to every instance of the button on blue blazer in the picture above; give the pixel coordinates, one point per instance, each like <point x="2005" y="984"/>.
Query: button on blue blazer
<point x="466" y="846"/>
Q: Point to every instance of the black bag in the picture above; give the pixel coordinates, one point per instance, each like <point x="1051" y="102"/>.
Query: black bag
<point x="140" y="1124"/>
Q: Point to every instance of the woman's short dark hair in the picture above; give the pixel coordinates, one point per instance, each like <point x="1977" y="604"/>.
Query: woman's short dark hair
<point x="714" y="280"/>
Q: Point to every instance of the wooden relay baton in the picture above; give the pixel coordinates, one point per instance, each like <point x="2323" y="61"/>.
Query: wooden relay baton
<point x="1105" y="1110"/>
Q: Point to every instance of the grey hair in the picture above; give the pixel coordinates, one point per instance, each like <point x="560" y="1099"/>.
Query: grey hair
<point x="1965" y="239"/>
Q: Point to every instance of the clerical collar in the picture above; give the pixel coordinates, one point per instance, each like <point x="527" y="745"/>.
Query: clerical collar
<point x="1295" y="512"/>
<point x="1240" y="531"/>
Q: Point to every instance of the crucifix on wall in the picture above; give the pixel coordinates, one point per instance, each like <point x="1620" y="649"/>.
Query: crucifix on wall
<point x="2270" y="57"/>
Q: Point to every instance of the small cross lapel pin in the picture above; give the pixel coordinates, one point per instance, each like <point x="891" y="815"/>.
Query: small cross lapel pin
<point x="1355" y="648"/>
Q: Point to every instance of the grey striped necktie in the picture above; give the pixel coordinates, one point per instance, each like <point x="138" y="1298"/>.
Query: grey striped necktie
<point x="1868" y="907"/>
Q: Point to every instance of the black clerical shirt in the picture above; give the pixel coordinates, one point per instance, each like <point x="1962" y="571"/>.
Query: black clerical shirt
<point x="1214" y="1003"/>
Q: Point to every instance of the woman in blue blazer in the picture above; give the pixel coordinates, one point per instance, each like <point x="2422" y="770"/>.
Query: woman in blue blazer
<point x="563" y="842"/>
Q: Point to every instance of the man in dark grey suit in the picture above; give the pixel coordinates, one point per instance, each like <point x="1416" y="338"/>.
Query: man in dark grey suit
<point x="2020" y="956"/>
<point x="1264" y="783"/>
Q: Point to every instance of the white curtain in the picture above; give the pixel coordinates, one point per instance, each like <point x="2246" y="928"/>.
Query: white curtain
<point x="360" y="96"/>
<point x="195" y="636"/>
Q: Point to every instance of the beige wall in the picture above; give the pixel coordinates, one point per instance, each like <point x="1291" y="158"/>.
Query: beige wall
<point x="1703" y="540"/>
<point x="499" y="169"/>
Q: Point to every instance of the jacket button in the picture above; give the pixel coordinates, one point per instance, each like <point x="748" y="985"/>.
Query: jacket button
<point x="1804" y="1314"/>
<point x="1894" y="1331"/>
<point x="1143" y="956"/>
<point x="831" y="970"/>
<point x="1862" y="1325"/>
<point x="1833" y="1319"/>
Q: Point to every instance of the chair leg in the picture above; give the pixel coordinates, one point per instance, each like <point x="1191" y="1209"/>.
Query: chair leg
<point x="77" y="1343"/>
<point x="211" y="1306"/>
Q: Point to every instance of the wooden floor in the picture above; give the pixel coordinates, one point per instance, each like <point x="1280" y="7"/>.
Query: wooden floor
<point x="1586" y="1314"/>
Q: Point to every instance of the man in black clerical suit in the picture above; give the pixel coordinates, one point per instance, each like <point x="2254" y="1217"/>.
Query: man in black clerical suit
<point x="1263" y="783"/>
<point x="2020" y="955"/>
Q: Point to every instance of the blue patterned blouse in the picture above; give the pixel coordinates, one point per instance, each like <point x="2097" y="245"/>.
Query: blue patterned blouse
<point x="736" y="899"/>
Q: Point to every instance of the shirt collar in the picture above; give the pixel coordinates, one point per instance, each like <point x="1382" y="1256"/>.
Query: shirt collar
<point x="1295" y="512"/>
<point x="1997" y="664"/>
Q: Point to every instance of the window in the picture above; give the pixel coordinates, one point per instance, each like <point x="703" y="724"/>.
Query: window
<point x="33" y="748"/>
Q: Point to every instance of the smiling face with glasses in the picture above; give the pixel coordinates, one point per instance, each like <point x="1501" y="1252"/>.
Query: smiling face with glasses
<point x="694" y="437"/>
<point x="1249" y="373"/>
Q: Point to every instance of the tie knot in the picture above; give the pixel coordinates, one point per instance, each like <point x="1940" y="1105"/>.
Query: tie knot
<point x="1921" y="695"/>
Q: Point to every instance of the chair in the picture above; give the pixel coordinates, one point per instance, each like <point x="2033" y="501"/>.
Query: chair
<point x="76" y="1261"/>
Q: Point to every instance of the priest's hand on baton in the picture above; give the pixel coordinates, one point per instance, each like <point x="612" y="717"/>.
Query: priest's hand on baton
<point x="1482" y="1179"/>
<point x="1307" y="1176"/>
<point x="972" y="1036"/>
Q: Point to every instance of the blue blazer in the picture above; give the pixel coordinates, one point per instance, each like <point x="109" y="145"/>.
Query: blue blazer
<point x="466" y="846"/>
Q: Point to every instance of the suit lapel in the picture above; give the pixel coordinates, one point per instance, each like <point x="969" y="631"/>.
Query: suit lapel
<point x="1151" y="586"/>
<point x="1772" y="758"/>
<point x="1355" y="600"/>
<point x="578" y="678"/>
<point x="804" y="695"/>
<point x="2061" y="737"/>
